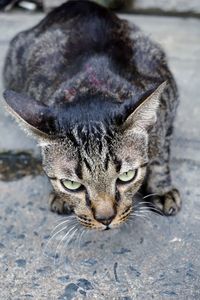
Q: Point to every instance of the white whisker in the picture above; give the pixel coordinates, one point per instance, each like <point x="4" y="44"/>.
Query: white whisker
<point x="57" y="233"/>
<point x="139" y="215"/>
<point x="49" y="240"/>
<point x="66" y="221"/>
<point x="63" y="238"/>
<point x="149" y="195"/>
<point x="70" y="238"/>
<point x="151" y="209"/>
<point x="80" y="237"/>
<point x="66" y="217"/>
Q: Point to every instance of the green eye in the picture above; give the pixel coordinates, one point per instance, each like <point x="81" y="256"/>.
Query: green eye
<point x="127" y="176"/>
<point x="71" y="185"/>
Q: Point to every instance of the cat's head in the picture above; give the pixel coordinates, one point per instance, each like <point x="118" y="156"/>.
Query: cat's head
<point x="95" y="152"/>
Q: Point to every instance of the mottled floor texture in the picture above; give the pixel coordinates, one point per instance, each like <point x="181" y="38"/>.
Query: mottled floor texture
<point x="154" y="258"/>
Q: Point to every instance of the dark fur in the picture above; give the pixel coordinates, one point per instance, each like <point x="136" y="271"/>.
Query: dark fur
<point x="90" y="71"/>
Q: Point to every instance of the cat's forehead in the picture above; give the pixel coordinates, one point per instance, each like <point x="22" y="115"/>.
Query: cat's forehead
<point x="95" y="152"/>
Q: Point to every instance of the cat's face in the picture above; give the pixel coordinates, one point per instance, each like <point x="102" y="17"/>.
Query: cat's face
<point x="97" y="167"/>
<point x="98" y="178"/>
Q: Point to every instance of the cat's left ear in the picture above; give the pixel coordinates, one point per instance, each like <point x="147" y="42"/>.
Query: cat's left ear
<point x="35" y="117"/>
<point x="144" y="115"/>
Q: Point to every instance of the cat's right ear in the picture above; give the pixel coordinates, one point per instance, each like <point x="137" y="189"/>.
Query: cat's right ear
<point x="35" y="117"/>
<point x="145" y="114"/>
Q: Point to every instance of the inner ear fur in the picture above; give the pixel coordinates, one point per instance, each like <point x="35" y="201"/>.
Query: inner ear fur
<point x="35" y="117"/>
<point x="144" y="115"/>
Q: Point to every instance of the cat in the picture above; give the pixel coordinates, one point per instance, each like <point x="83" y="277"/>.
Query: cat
<point x="98" y="96"/>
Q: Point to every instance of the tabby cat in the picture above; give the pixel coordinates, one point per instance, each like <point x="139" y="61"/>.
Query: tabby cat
<point x="88" y="86"/>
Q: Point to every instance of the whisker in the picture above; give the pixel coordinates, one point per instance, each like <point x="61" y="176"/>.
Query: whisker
<point x="71" y="236"/>
<point x="64" y="217"/>
<point x="63" y="238"/>
<point x="81" y="236"/>
<point x="66" y="221"/>
<point x="139" y="215"/>
<point x="79" y="233"/>
<point x="144" y="216"/>
<point x="56" y="233"/>
<point x="70" y="239"/>
<point x="49" y="240"/>
<point x="149" y="195"/>
<point x="145" y="204"/>
<point x="151" y="207"/>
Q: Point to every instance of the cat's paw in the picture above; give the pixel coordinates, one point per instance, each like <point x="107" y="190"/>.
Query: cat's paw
<point x="57" y="204"/>
<point x="169" y="203"/>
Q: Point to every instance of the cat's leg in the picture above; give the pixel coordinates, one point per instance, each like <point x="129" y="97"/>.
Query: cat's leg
<point x="164" y="196"/>
<point x="57" y="204"/>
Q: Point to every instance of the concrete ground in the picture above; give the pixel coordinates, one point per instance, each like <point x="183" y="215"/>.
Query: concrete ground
<point x="154" y="258"/>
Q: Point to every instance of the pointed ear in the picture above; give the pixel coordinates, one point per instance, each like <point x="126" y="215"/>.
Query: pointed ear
<point x="144" y="115"/>
<point x="35" y="117"/>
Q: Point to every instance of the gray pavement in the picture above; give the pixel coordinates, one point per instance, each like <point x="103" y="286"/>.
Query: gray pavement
<point x="154" y="258"/>
<point x="159" y="7"/>
<point x="174" y="7"/>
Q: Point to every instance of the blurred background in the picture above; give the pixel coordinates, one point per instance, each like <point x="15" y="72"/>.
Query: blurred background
<point x="170" y="7"/>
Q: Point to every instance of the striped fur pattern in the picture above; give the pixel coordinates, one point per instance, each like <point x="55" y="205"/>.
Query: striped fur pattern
<point x="89" y="86"/>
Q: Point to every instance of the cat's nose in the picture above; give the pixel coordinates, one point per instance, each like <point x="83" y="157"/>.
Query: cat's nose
<point x="105" y="221"/>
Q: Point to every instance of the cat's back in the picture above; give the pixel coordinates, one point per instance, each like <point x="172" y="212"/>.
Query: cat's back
<point x="41" y="58"/>
<point x="67" y="35"/>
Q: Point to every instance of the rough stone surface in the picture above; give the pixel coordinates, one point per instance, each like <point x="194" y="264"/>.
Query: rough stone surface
<point x="191" y="7"/>
<point x="154" y="258"/>
<point x="170" y="6"/>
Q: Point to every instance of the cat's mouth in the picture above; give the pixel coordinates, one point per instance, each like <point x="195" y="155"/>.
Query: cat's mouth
<point x="92" y="223"/>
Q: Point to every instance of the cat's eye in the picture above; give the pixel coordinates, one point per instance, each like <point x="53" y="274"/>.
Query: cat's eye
<point x="71" y="185"/>
<point x="127" y="176"/>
